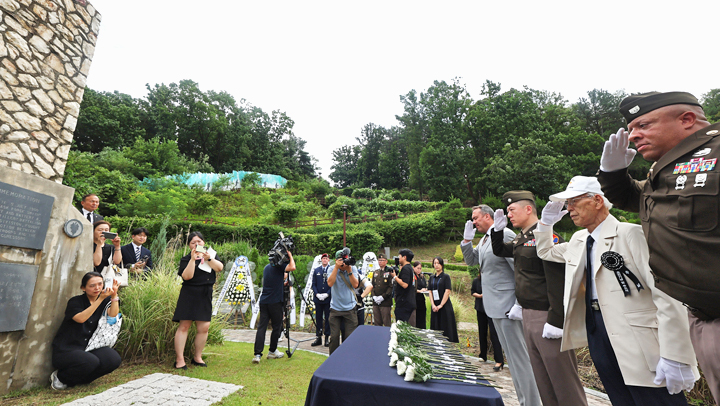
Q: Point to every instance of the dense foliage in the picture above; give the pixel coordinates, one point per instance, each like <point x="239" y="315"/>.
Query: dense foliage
<point x="448" y="145"/>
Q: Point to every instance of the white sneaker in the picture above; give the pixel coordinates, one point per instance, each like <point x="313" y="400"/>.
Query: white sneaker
<point x="55" y="382"/>
<point x="276" y="354"/>
<point x="256" y="359"/>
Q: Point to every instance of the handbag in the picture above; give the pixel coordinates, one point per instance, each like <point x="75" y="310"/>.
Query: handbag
<point x="105" y="335"/>
<point x="113" y="271"/>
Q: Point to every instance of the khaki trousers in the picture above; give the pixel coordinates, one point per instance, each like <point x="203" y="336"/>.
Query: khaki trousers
<point x="555" y="372"/>
<point x="705" y="337"/>
<point x="381" y="315"/>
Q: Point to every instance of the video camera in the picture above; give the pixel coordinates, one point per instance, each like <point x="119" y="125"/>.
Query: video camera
<point x="347" y="259"/>
<point x="396" y="267"/>
<point x="279" y="252"/>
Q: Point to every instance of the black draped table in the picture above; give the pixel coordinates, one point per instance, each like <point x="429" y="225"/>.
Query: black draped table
<point x="358" y="373"/>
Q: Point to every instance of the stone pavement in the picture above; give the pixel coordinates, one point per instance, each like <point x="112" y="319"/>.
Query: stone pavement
<point x="161" y="389"/>
<point x="501" y="378"/>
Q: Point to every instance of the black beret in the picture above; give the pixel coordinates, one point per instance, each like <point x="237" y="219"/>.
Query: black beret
<point x="517" y="195"/>
<point x="636" y="105"/>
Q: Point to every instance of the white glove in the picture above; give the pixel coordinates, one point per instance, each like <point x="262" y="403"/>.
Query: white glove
<point x="500" y="220"/>
<point x="515" y="313"/>
<point x="378" y="299"/>
<point x="552" y="213"/>
<point x="616" y="154"/>
<point x="322" y="296"/>
<point x="469" y="232"/>
<point x="551" y="332"/>
<point x="678" y="376"/>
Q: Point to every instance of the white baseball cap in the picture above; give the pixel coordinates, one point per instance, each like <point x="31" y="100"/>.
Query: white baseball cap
<point x="579" y="185"/>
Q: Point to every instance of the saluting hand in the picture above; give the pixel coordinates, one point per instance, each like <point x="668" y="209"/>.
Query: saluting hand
<point x="616" y="154"/>
<point x="500" y="220"/>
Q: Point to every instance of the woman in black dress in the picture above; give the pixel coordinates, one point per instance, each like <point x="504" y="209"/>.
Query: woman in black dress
<point x="483" y="323"/>
<point x="74" y="365"/>
<point x="442" y="317"/>
<point x="195" y="300"/>
<point x="103" y="252"/>
<point x="421" y="285"/>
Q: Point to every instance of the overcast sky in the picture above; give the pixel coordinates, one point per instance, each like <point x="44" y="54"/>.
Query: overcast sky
<point x="335" y="66"/>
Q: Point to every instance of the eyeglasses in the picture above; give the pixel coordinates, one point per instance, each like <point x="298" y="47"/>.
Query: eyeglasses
<point x="574" y="201"/>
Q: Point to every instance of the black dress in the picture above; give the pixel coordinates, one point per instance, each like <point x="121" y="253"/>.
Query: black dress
<point x="195" y="300"/>
<point x="107" y="251"/>
<point x="421" y="310"/>
<point x="444" y="319"/>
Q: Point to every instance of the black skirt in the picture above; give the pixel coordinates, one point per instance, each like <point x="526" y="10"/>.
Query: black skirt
<point x="444" y="320"/>
<point x="194" y="303"/>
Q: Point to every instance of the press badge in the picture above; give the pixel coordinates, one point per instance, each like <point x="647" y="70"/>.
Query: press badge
<point x="436" y="296"/>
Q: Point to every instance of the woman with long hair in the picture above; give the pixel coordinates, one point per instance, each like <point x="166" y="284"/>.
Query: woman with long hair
<point x="442" y="317"/>
<point x="421" y="285"/>
<point x="195" y="300"/>
<point x="103" y="252"/>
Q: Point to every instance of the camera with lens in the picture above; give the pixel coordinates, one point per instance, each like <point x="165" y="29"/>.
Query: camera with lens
<point x="396" y="267"/>
<point x="279" y="252"/>
<point x="347" y="259"/>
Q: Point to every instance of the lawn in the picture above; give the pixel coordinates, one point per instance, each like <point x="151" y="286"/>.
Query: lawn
<point x="272" y="382"/>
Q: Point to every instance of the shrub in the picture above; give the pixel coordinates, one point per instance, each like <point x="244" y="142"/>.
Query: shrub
<point x="335" y="209"/>
<point x="348" y="191"/>
<point x="251" y="180"/>
<point x="286" y="212"/>
<point x="458" y="254"/>
<point x="452" y="213"/>
<point x="493" y="201"/>
<point x="364" y="193"/>
<point x="330" y="198"/>
<point x="202" y="203"/>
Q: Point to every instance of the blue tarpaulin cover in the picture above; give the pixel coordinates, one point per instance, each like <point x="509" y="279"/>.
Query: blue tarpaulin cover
<point x="236" y="177"/>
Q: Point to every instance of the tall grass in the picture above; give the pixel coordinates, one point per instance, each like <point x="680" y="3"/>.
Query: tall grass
<point x="148" y="305"/>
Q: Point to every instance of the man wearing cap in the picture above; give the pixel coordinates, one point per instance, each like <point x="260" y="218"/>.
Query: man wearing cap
<point x="647" y="359"/>
<point x="321" y="299"/>
<point x="498" y="287"/>
<point x="343" y="280"/>
<point x="382" y="293"/>
<point x="539" y="290"/>
<point x="679" y="205"/>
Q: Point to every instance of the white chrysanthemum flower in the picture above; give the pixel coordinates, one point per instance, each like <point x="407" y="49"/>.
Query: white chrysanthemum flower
<point x="401" y="367"/>
<point x="410" y="373"/>
<point x="393" y="359"/>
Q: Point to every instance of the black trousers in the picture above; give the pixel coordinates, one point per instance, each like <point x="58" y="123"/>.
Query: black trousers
<point x="80" y="367"/>
<point x="420" y="312"/>
<point x="322" y="312"/>
<point x="483" y="323"/>
<point x="269" y="312"/>
<point x="608" y="369"/>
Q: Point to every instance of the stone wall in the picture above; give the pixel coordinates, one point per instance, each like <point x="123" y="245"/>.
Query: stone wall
<point x="46" y="47"/>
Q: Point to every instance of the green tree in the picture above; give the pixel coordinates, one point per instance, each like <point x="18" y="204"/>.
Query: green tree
<point x="107" y="120"/>
<point x="711" y="104"/>
<point x="599" y="112"/>
<point x="344" y="169"/>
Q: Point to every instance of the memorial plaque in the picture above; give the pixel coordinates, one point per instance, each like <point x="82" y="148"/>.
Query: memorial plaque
<point x="24" y="217"/>
<point x="17" y="284"/>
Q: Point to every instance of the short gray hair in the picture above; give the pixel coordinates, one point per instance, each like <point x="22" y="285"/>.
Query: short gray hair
<point x="484" y="209"/>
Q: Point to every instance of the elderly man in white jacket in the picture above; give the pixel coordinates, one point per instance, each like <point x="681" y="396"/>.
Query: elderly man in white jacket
<point x="637" y="335"/>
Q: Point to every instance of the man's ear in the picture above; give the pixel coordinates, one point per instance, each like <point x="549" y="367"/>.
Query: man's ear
<point x="688" y="119"/>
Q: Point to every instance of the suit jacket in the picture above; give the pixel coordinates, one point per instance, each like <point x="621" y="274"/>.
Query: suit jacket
<point x="498" y="277"/>
<point x="95" y="216"/>
<point x="643" y="326"/>
<point x="128" y="256"/>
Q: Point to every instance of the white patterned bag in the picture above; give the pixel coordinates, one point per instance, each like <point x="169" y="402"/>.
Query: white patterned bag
<point x="105" y="335"/>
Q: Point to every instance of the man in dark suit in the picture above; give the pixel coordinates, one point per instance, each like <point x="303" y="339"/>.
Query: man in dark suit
<point x="90" y="203"/>
<point x="321" y="299"/>
<point x="135" y="254"/>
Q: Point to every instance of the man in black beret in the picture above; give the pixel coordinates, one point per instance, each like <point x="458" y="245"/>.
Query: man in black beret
<point x="539" y="288"/>
<point x="678" y="205"/>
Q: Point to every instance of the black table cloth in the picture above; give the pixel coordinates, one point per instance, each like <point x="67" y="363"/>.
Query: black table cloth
<point x="358" y="373"/>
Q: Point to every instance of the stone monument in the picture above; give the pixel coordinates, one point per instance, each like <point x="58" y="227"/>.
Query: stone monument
<point x="46" y="48"/>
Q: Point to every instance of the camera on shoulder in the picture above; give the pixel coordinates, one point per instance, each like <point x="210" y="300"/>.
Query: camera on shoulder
<point x="279" y="252"/>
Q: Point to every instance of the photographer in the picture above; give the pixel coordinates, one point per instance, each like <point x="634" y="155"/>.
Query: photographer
<point x="343" y="280"/>
<point x="405" y="288"/>
<point x="271" y="306"/>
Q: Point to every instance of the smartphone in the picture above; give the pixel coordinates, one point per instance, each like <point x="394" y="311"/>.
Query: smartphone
<point x="109" y="236"/>
<point x="200" y="249"/>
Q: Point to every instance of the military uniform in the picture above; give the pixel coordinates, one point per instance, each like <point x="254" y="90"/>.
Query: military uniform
<point x="679" y="206"/>
<point x="382" y="286"/>
<point x="539" y="287"/>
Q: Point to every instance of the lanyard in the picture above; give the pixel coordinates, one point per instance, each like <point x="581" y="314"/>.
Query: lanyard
<point x="436" y="281"/>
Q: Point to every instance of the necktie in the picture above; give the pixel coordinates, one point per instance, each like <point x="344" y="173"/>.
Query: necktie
<point x="89" y="217"/>
<point x="484" y="239"/>
<point x="137" y="254"/>
<point x="589" y="316"/>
